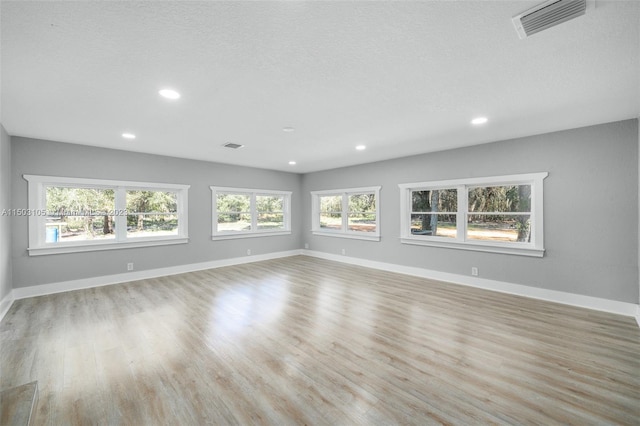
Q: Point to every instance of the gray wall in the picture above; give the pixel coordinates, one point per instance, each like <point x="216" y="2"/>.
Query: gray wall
<point x="5" y="221"/>
<point x="48" y="158"/>
<point x="590" y="170"/>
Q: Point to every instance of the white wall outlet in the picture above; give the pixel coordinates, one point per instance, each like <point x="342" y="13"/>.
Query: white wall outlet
<point x="344" y="251"/>
<point x="130" y="266"/>
<point x="248" y="252"/>
<point x="306" y="246"/>
<point x="474" y="271"/>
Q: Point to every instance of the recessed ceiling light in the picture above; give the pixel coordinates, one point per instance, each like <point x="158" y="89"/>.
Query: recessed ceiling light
<point x="292" y="163"/>
<point x="361" y="147"/>
<point x="479" y="120"/>
<point x="288" y="129"/>
<point x="128" y="136"/>
<point x="169" y="94"/>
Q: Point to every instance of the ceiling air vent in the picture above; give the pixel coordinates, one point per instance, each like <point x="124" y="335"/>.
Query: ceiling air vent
<point x="549" y="14"/>
<point x="232" y="145"/>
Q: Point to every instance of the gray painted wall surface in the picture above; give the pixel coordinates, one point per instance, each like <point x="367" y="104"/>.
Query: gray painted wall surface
<point x="59" y="159"/>
<point x="5" y="221"/>
<point x="589" y="168"/>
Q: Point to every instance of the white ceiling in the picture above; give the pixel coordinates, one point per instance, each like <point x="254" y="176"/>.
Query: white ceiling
<point x="400" y="77"/>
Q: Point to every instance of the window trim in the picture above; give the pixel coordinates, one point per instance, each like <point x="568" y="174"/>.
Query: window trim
<point x="37" y="202"/>
<point x="535" y="248"/>
<point x="344" y="232"/>
<point x="254" y="232"/>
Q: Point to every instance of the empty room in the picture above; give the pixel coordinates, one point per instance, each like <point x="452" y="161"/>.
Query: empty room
<point x="319" y="212"/>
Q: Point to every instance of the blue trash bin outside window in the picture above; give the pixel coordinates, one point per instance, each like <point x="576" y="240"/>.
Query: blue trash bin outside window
<point x="52" y="235"/>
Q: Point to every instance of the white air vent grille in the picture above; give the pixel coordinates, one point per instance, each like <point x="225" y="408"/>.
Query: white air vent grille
<point x="547" y="15"/>
<point x="232" y="145"/>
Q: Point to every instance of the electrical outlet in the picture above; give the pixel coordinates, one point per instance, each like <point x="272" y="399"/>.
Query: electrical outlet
<point x="306" y="246"/>
<point x="129" y="266"/>
<point x="474" y="271"/>
<point x="248" y="252"/>
<point x="344" y="251"/>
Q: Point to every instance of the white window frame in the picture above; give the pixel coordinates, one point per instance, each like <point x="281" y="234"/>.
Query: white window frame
<point x="344" y="232"/>
<point x="534" y="248"/>
<point x="37" y="218"/>
<point x="254" y="232"/>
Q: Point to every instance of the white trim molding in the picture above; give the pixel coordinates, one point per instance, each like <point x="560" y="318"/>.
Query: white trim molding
<point x="589" y="302"/>
<point x="6" y="303"/>
<point x="60" y="287"/>
<point x="638" y="315"/>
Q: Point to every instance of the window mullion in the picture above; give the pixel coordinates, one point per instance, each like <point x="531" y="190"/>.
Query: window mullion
<point x="345" y="212"/>
<point x="461" y="215"/>
<point x="39" y="221"/>
<point x="214" y="211"/>
<point x="534" y="213"/>
<point x="120" y="219"/>
<point x="183" y="219"/>
<point x="316" y="212"/>
<point x="254" y="212"/>
<point x="287" y="212"/>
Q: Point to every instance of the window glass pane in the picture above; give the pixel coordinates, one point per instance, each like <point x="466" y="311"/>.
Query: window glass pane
<point x="362" y="203"/>
<point x="429" y="224"/>
<point x="151" y="225"/>
<point x="270" y="203"/>
<point x="79" y="228"/>
<point x="151" y="213"/>
<point x="79" y="214"/>
<point x="331" y="203"/>
<point x="505" y="228"/>
<point x="331" y="221"/>
<point x="437" y="200"/>
<point x="270" y="221"/>
<point x="234" y="222"/>
<point x="362" y="222"/>
<point x="233" y="203"/>
<point x="513" y="198"/>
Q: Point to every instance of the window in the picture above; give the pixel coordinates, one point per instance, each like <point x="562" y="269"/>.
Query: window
<point x="239" y="213"/>
<point x="434" y="212"/>
<point x="500" y="214"/>
<point x="71" y="214"/>
<point x="347" y="213"/>
<point x="152" y="213"/>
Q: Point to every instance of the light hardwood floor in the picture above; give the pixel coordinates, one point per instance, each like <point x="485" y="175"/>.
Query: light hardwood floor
<point x="307" y="341"/>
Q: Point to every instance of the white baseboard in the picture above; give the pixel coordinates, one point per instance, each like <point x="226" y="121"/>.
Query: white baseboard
<point x="5" y="304"/>
<point x="59" y="287"/>
<point x="606" y="305"/>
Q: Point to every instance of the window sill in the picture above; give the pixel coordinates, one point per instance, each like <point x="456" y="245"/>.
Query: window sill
<point x="111" y="245"/>
<point x="473" y="246"/>
<point x="248" y="235"/>
<point x="345" y="235"/>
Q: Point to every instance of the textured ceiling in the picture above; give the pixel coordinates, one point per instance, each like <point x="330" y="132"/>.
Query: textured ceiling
<point x="400" y="77"/>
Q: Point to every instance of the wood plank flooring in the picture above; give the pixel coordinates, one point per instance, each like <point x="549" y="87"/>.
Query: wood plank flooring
<point x="308" y="341"/>
<point x="18" y="404"/>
